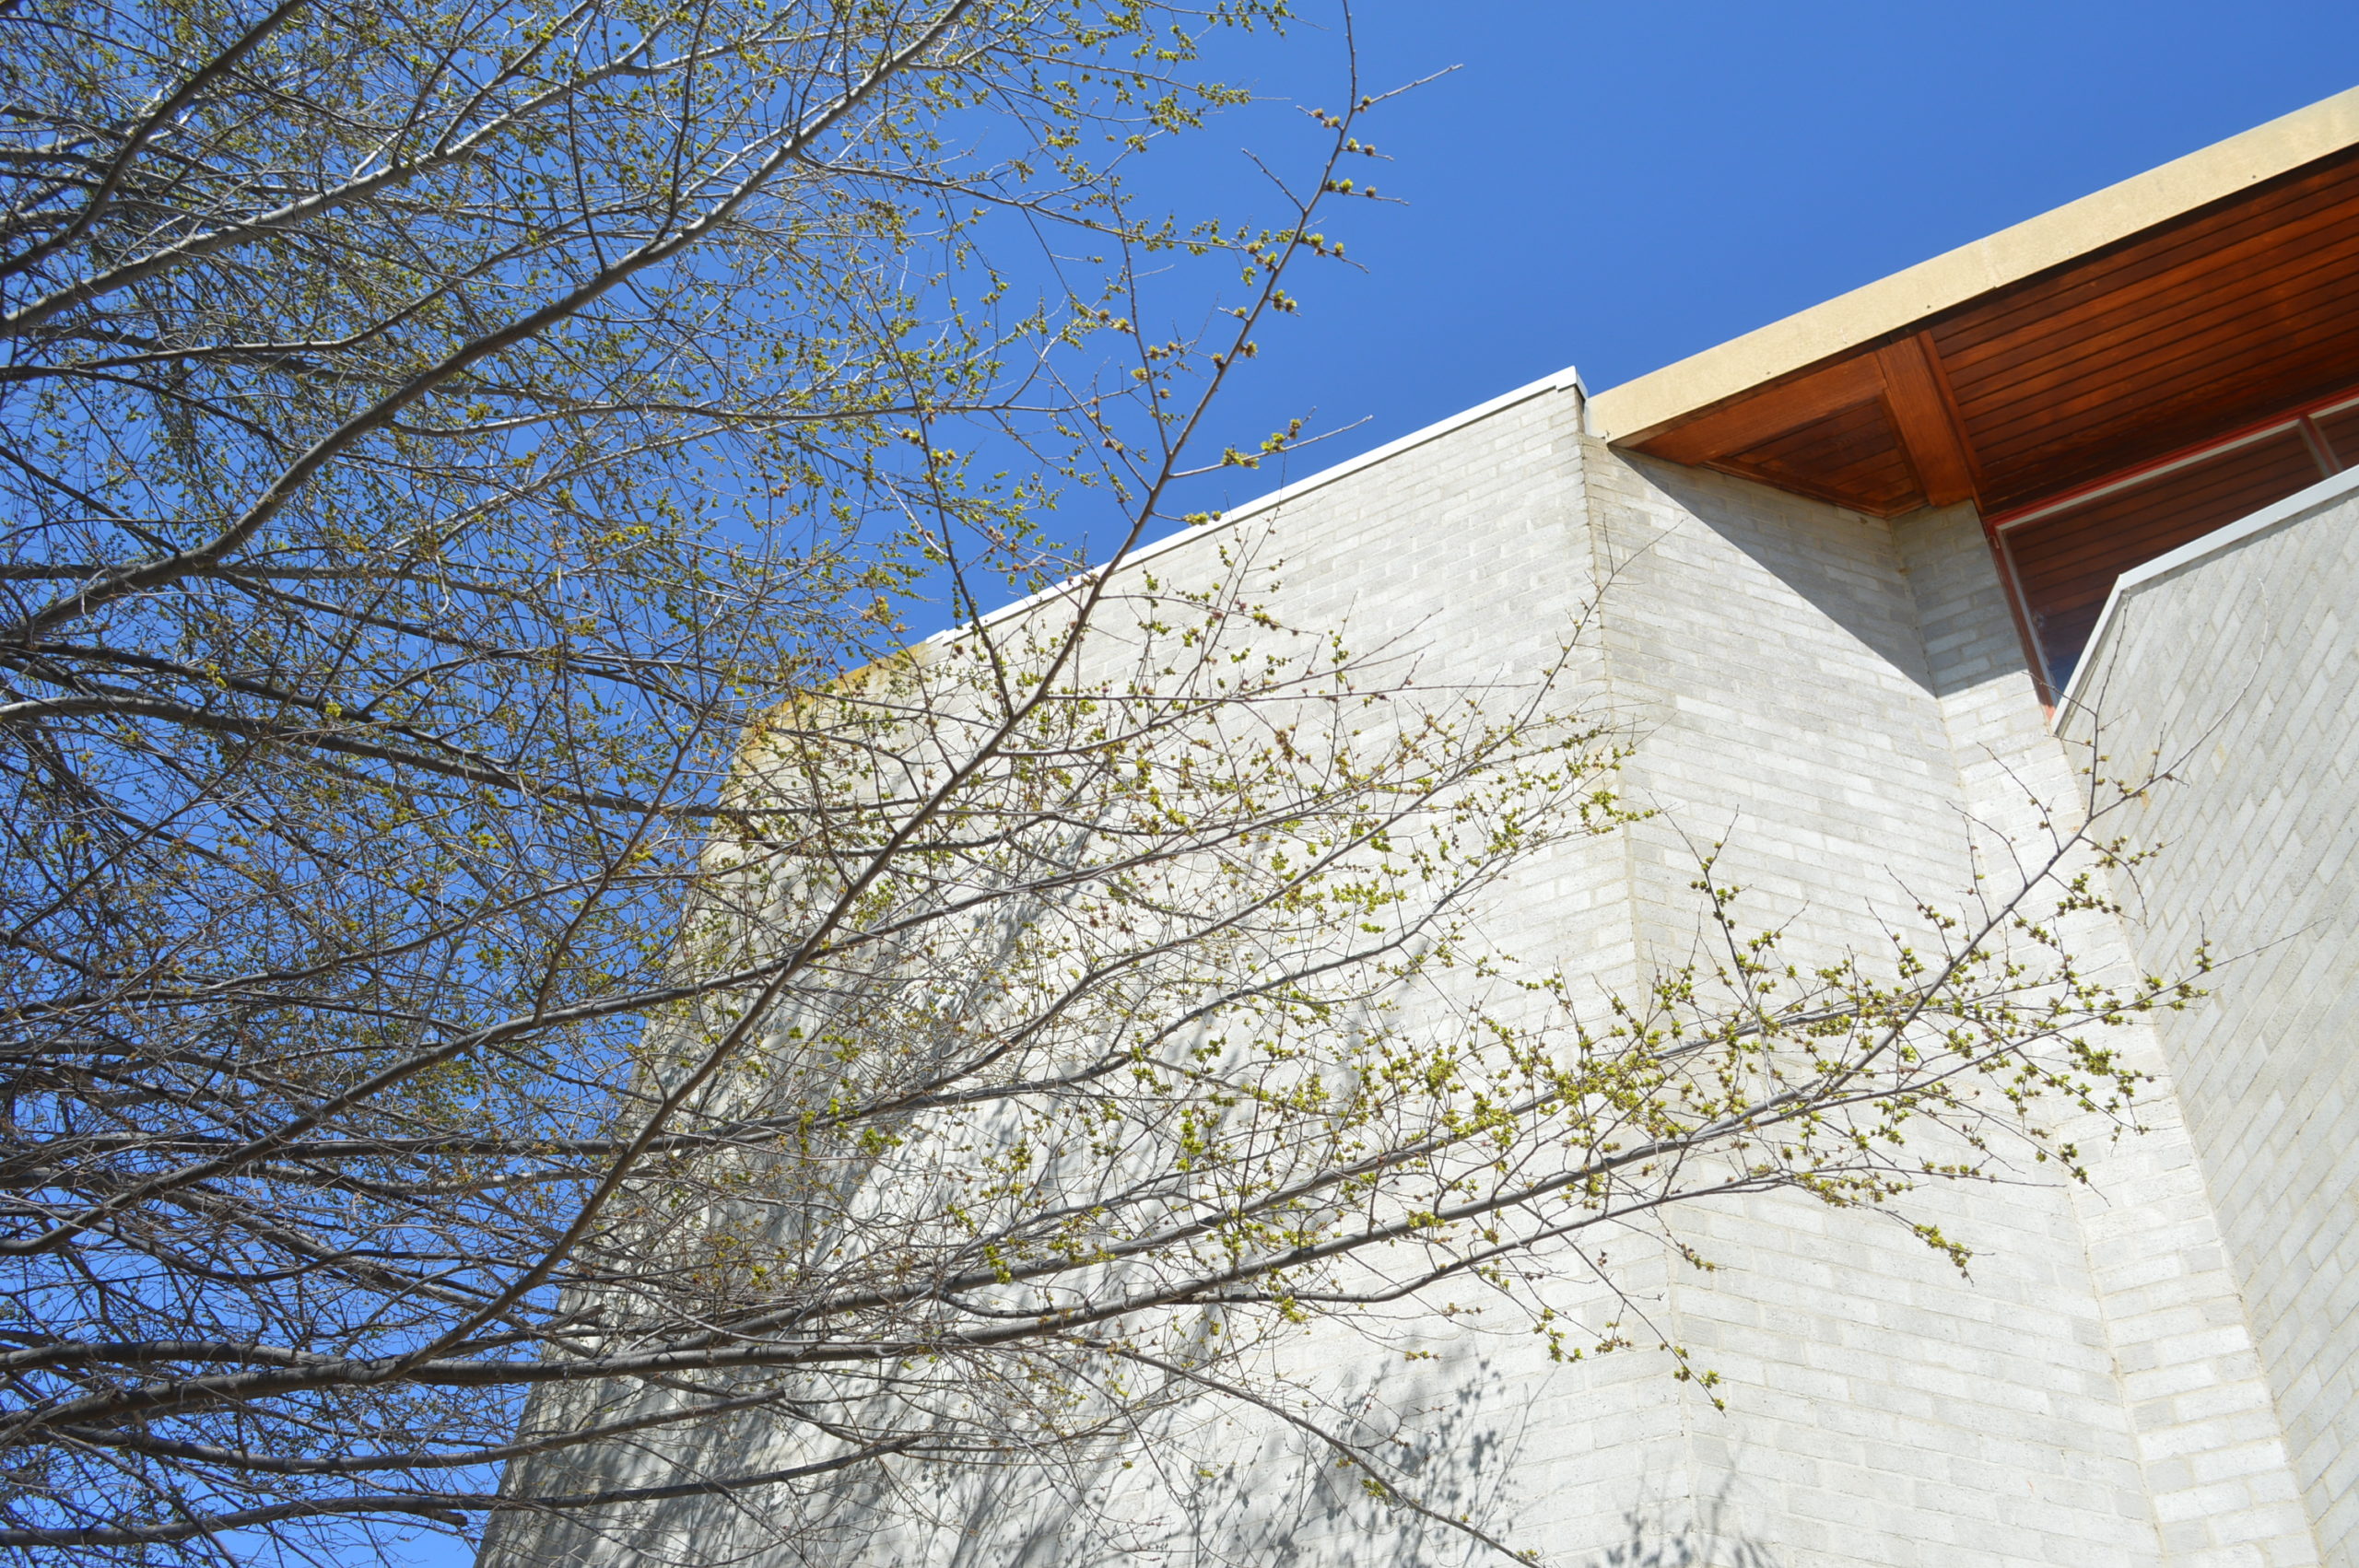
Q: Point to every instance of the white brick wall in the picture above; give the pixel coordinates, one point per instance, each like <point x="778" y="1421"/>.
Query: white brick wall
<point x="2242" y="669"/>
<point x="1883" y="1410"/>
<point x="1838" y="698"/>
<point x="2214" y="1460"/>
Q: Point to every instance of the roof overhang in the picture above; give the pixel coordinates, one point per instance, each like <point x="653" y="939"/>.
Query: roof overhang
<point x="2218" y="289"/>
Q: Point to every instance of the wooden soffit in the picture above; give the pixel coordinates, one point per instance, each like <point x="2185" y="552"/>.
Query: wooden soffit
<point x="2210" y="294"/>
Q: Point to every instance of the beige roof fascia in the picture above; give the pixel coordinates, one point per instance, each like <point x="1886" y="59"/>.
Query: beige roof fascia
<point x="1636" y="409"/>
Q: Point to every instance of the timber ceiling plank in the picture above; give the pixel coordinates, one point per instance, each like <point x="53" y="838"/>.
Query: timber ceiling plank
<point x="2219" y="313"/>
<point x="1749" y="422"/>
<point x="2227" y="316"/>
<point x="2257" y="228"/>
<point x="1852" y="457"/>
<point x="2216" y="312"/>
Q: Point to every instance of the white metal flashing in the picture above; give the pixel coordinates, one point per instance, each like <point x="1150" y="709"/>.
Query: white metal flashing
<point x="1557" y="381"/>
<point x="1568" y="379"/>
<point x="2292" y="509"/>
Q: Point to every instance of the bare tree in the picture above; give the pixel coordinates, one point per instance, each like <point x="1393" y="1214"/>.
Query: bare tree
<point x="487" y="917"/>
<point x="1091" y="999"/>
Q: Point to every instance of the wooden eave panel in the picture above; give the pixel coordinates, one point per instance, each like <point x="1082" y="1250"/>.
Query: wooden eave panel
<point x="2224" y="318"/>
<point x="2067" y="565"/>
<point x="2158" y="343"/>
<point x="2100" y="432"/>
<point x="2093" y="344"/>
<point x="1748" y="422"/>
<point x="2254" y="226"/>
<point x="1852" y="453"/>
<point x="2214" y="318"/>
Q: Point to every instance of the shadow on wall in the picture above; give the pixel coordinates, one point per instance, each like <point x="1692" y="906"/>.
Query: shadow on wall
<point x="1220" y="1486"/>
<point x="1278" y="1499"/>
<point x="1203" y="1487"/>
<point x="1844" y="564"/>
<point x="1652" y="1544"/>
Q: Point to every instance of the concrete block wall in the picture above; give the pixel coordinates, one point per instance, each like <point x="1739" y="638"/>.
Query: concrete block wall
<point x="1470" y="549"/>
<point x="1841" y="701"/>
<point x="1883" y="1410"/>
<point x="2210" y="1445"/>
<point x="2236" y="663"/>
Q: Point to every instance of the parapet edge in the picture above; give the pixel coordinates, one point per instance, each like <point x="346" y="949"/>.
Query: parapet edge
<point x="1637" y="407"/>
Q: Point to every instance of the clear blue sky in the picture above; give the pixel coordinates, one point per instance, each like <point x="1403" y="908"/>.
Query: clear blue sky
<point x="1617" y="185"/>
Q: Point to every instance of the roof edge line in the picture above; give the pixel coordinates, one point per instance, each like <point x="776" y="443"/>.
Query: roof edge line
<point x="1569" y="377"/>
<point x="1639" y="407"/>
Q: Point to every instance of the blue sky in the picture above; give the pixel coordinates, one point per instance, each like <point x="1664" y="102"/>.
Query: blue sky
<point x="1616" y="185"/>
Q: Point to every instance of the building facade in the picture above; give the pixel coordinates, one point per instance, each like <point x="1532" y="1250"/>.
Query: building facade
<point x="1870" y="585"/>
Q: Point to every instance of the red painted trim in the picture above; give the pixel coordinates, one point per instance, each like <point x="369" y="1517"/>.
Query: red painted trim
<point x="1995" y="529"/>
<point x="2011" y="587"/>
<point x="2320" y="451"/>
<point x="2243" y="435"/>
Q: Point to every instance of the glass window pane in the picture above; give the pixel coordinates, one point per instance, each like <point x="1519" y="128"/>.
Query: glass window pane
<point x="2067" y="561"/>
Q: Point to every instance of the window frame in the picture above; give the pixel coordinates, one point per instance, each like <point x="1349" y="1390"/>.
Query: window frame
<point x="1997" y="528"/>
